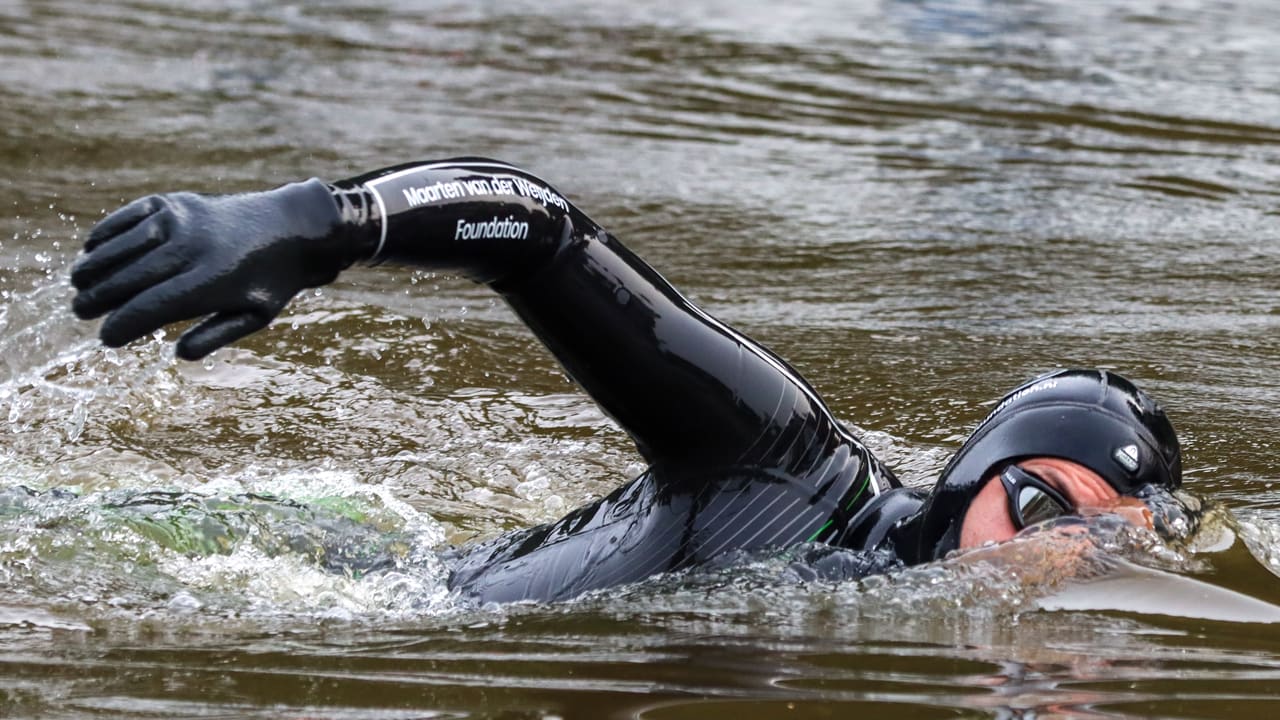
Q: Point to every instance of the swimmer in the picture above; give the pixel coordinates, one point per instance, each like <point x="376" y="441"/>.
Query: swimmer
<point x="742" y="453"/>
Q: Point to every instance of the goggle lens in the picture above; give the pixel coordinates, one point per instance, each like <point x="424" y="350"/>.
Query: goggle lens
<point x="1031" y="500"/>
<point x="1035" y="506"/>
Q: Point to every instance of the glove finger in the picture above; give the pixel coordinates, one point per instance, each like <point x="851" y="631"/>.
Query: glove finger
<point x="122" y="220"/>
<point x="105" y="258"/>
<point x="150" y="270"/>
<point x="221" y="329"/>
<point x="168" y="302"/>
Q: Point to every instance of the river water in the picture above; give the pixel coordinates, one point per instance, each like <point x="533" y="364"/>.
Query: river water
<point x="919" y="203"/>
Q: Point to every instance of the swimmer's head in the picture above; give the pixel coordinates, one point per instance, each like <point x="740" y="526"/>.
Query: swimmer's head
<point x="1072" y="426"/>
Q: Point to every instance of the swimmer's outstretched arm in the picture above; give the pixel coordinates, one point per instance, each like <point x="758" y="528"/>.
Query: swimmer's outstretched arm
<point x="687" y="388"/>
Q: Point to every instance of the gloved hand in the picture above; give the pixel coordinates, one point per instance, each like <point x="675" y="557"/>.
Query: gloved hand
<point x="235" y="258"/>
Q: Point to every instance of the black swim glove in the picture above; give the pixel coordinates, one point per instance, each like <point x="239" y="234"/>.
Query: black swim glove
<point x="237" y="259"/>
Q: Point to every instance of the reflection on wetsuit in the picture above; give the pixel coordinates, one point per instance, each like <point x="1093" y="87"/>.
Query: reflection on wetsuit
<point x="742" y="452"/>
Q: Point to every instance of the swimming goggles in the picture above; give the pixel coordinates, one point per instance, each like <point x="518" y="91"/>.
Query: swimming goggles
<point x="1031" y="499"/>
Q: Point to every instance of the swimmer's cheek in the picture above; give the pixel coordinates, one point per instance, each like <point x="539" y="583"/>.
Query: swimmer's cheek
<point x="1041" y="555"/>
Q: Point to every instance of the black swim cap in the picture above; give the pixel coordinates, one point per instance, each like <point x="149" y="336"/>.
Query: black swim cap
<point x="1092" y="417"/>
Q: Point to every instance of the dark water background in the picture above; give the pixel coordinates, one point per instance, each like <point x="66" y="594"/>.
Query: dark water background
<point x="918" y="203"/>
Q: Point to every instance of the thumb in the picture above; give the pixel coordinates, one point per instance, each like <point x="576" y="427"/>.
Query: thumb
<point x="221" y="329"/>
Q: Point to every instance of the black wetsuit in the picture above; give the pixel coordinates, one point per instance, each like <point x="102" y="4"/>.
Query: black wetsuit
<point x="742" y="452"/>
<point x="744" y="457"/>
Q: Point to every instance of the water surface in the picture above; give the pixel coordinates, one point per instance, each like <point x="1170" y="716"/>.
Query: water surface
<point x="918" y="203"/>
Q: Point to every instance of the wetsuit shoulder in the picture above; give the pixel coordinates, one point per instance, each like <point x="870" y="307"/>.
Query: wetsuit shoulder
<point x="884" y="522"/>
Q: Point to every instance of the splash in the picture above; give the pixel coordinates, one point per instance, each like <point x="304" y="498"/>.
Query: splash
<point x="345" y="551"/>
<point x="93" y="517"/>
<point x="1101" y="563"/>
<point x="1261" y="535"/>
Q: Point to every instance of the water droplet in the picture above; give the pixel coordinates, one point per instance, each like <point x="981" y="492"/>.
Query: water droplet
<point x="79" y="414"/>
<point x="337" y="614"/>
<point x="184" y="602"/>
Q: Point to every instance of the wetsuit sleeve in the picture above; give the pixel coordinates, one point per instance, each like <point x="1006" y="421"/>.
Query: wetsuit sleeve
<point x="688" y="389"/>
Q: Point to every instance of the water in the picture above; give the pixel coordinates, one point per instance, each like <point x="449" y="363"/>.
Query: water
<point x="918" y="203"/>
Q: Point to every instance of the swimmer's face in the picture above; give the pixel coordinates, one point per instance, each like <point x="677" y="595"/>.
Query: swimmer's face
<point x="989" y="518"/>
